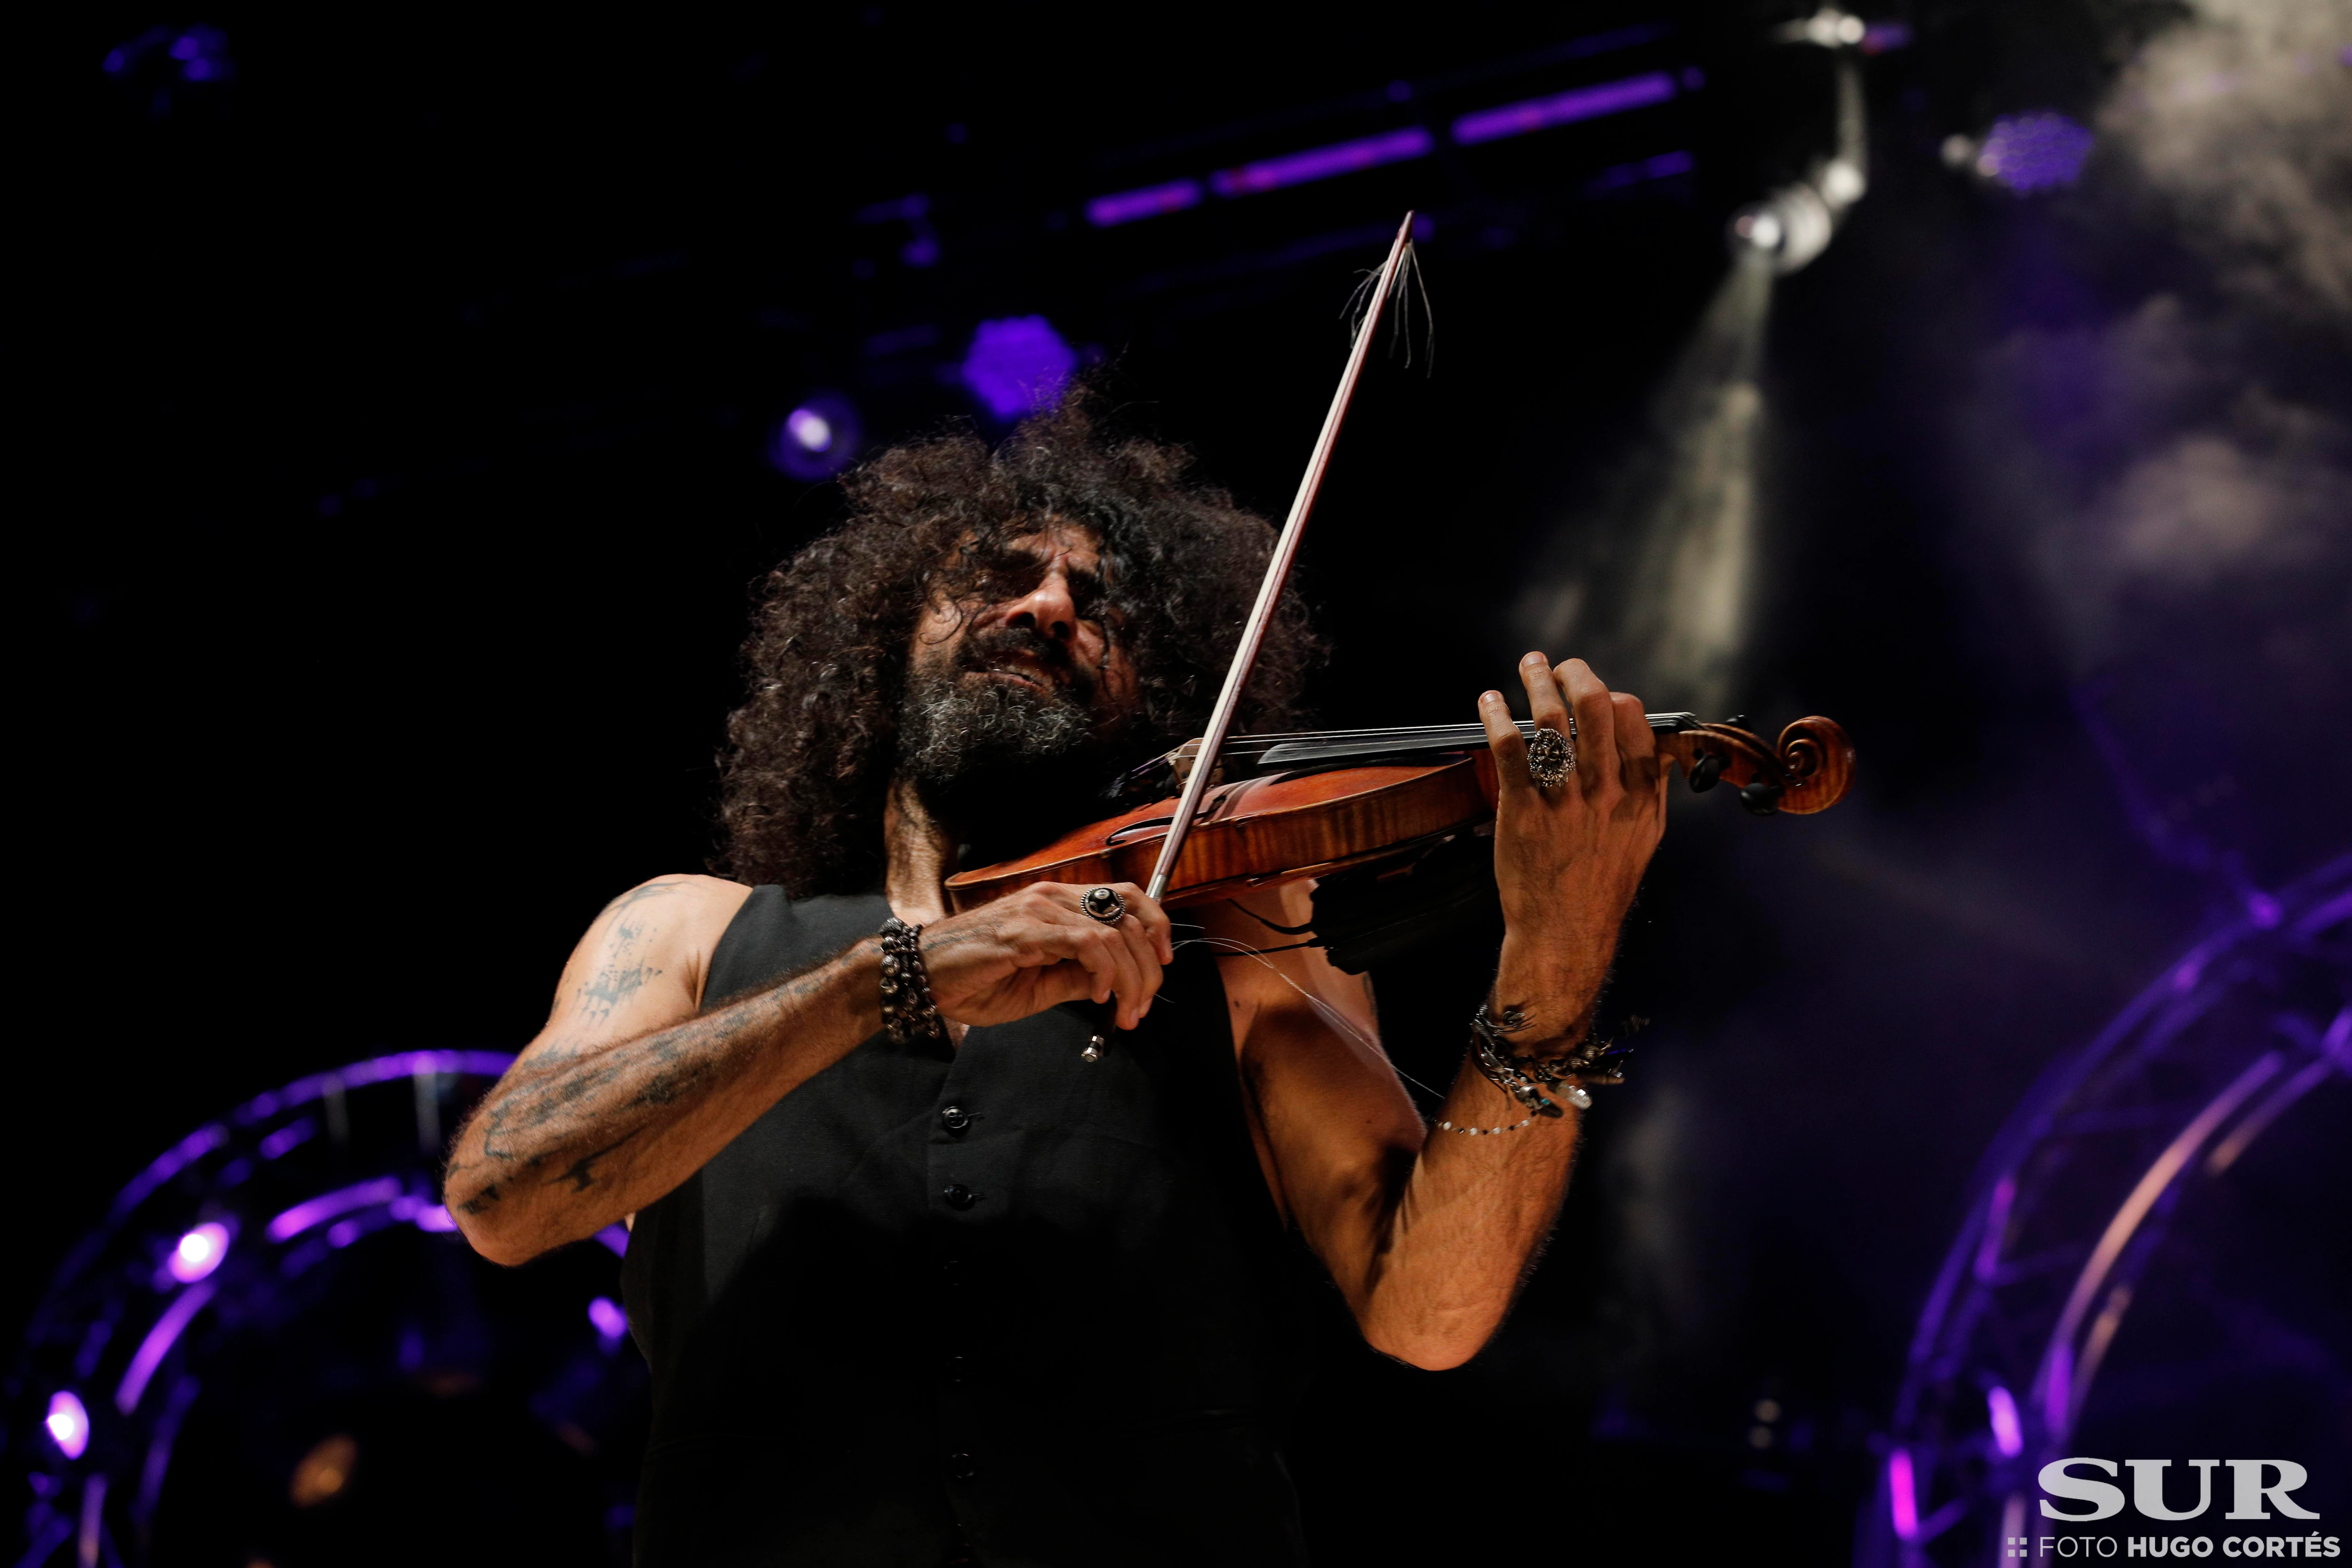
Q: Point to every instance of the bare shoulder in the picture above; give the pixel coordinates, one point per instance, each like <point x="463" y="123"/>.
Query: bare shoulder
<point x="643" y="960"/>
<point x="683" y="900"/>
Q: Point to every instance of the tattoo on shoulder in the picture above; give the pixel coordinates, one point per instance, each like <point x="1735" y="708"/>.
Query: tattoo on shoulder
<point x="623" y="971"/>
<point x="662" y="887"/>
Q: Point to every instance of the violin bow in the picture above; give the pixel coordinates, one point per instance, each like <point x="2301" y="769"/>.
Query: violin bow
<point x="1278" y="571"/>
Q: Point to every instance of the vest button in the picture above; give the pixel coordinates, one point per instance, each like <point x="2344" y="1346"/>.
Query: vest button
<point x="955" y="1119"/>
<point x="959" y="1196"/>
<point x="961" y="1467"/>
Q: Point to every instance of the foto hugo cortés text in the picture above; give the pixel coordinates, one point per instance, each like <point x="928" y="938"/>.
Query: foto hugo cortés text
<point x="2260" y="1489"/>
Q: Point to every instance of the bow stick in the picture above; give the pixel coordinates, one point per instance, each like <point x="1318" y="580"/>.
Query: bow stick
<point x="1278" y="571"/>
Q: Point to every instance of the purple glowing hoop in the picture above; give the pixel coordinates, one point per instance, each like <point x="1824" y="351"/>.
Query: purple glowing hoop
<point x="194" y="1259"/>
<point x="1962" y="1448"/>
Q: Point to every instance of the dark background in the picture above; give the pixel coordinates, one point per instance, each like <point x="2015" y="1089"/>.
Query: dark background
<point x="391" y="420"/>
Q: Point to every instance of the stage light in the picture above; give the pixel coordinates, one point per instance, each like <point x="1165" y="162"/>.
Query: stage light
<point x="2007" y="1432"/>
<point x="1829" y="27"/>
<point x="199" y="1253"/>
<point x="1018" y="365"/>
<point x="67" y="1422"/>
<point x="1150" y="200"/>
<point x="809" y="430"/>
<point x="1902" y="1500"/>
<point x="818" y="439"/>
<point x="1789" y="227"/>
<point x="1562" y="109"/>
<point x="2036" y="152"/>
<point x="1841" y="184"/>
<point x="1323" y="163"/>
<point x="610" y="1323"/>
<point x="327" y="1205"/>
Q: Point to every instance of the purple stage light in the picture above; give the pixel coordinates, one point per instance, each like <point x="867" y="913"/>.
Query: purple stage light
<point x="1126" y="207"/>
<point x="290" y="1136"/>
<point x="818" y="439"/>
<point x="1563" y="107"/>
<point x="67" y="1422"/>
<point x="327" y="1206"/>
<point x="2007" y="1432"/>
<point x="616" y="1238"/>
<point x="1665" y="165"/>
<point x="1018" y="365"/>
<point x="1323" y="163"/>
<point x="1902" y="1500"/>
<point x="434" y="1217"/>
<point x="158" y="1344"/>
<point x="199" y="1253"/>
<point x="611" y="1324"/>
<point x="1881" y="37"/>
<point x="2035" y="151"/>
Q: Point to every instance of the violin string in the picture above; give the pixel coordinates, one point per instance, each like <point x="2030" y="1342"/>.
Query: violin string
<point x="1285" y="737"/>
<point x="1330" y="1014"/>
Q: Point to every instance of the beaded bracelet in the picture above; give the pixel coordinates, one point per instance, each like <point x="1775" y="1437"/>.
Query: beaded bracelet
<point x="908" y="1014"/>
<point x="1519" y="1077"/>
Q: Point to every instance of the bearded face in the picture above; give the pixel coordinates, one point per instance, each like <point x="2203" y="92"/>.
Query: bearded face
<point x="1016" y="695"/>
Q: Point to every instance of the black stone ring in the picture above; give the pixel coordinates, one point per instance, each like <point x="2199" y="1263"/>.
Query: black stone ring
<point x="1103" y="904"/>
<point x="1551" y="757"/>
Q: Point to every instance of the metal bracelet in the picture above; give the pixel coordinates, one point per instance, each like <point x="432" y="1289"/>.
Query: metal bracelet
<point x="908" y="1014"/>
<point x="1524" y="1079"/>
<point x="1521" y="1086"/>
<point x="1601" y="1060"/>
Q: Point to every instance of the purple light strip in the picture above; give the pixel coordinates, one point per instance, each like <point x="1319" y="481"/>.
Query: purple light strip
<point x="2061" y="1395"/>
<point x="1323" y="163"/>
<point x="1563" y="107"/>
<point x="168" y="1165"/>
<point x="1902" y="1496"/>
<point x="327" y="1206"/>
<point x="158" y="1344"/>
<point x="2008" y="1431"/>
<point x="1126" y="207"/>
<point x="1393" y="147"/>
<point x="1996" y="1227"/>
<point x="407" y="1064"/>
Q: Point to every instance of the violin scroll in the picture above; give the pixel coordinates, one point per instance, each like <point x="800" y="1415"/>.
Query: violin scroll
<point x="1810" y="769"/>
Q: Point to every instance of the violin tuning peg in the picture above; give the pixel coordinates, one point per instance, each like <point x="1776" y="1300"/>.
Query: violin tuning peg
<point x="1760" y="799"/>
<point x="1706" y="771"/>
<point x="1736" y="722"/>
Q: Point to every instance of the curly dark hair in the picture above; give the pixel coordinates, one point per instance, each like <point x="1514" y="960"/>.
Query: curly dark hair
<point x="810" y="752"/>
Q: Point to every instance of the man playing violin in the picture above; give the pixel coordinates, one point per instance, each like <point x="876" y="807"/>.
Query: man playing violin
<point x="947" y="1280"/>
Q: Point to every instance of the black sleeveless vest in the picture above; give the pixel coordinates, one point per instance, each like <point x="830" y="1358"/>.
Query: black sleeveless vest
<point x="997" y="1291"/>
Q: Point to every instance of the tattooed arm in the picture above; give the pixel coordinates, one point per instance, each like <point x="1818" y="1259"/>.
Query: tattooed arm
<point x="627" y="1091"/>
<point x="631" y="1087"/>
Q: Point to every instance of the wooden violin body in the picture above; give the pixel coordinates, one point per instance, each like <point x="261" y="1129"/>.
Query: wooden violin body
<point x="1289" y="825"/>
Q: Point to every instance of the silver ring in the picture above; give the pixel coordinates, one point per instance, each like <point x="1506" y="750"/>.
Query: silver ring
<point x="1551" y="757"/>
<point x="1103" y="904"/>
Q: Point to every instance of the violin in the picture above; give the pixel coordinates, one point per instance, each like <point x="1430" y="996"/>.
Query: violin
<point x="1388" y="822"/>
<point x="1288" y="807"/>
